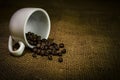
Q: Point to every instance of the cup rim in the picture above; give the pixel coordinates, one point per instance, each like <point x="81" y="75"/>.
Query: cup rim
<point x="49" y="24"/>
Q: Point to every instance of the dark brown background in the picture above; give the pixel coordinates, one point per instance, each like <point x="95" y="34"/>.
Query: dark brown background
<point x="90" y="31"/>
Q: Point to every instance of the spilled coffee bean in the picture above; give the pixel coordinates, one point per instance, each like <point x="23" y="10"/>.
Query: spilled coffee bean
<point x="50" y="57"/>
<point x="60" y="59"/>
<point x="34" y="49"/>
<point x="63" y="51"/>
<point x="61" y="45"/>
<point x="34" y="55"/>
<point x="59" y="53"/>
<point x="45" y="47"/>
<point x="38" y="45"/>
<point x="38" y="52"/>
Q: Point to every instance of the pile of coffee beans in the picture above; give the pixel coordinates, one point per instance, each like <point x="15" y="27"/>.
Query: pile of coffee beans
<point x="45" y="47"/>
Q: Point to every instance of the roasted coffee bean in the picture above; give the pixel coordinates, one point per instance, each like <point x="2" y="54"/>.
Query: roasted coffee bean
<point x="34" y="49"/>
<point x="53" y="44"/>
<point x="50" y="57"/>
<point x="49" y="51"/>
<point x="38" y="38"/>
<point x="35" y="36"/>
<point x="42" y="47"/>
<point x="34" y="39"/>
<point x="29" y="33"/>
<point x="34" y="43"/>
<point x="61" y="45"/>
<point x="46" y="53"/>
<point x="45" y="47"/>
<point x="38" y="45"/>
<point x="32" y="34"/>
<point x="54" y="52"/>
<point x="34" y="55"/>
<point x="31" y="37"/>
<point x="59" y="53"/>
<point x="63" y="51"/>
<point x="51" y="47"/>
<point x="60" y="59"/>
<point x="31" y="42"/>
<point x="43" y="44"/>
<point x="39" y="42"/>
<point x="47" y="43"/>
<point x="56" y="47"/>
<point x="38" y="52"/>
<point x="42" y="52"/>
<point x="44" y="40"/>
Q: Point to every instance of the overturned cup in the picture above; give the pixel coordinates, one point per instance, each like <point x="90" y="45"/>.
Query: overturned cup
<point x="25" y="20"/>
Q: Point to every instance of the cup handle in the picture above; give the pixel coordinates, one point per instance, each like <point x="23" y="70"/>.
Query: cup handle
<point x="19" y="51"/>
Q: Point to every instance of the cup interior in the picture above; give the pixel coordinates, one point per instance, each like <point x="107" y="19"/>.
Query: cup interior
<point x="38" y="23"/>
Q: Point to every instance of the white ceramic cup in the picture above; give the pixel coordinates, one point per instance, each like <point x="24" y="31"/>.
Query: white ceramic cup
<point x="35" y="20"/>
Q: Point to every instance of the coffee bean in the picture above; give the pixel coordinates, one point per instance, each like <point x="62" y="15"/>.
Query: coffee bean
<point x="50" y="57"/>
<point x="53" y="44"/>
<point x="34" y="49"/>
<point x="31" y="37"/>
<point x="29" y="33"/>
<point x="59" y="53"/>
<point x="46" y="53"/>
<point x="54" y="52"/>
<point x="42" y="52"/>
<point x="43" y="40"/>
<point x="35" y="43"/>
<point x="34" y="39"/>
<point x="35" y="36"/>
<point x="51" y="47"/>
<point x="56" y="47"/>
<point x="38" y="38"/>
<point x="31" y="42"/>
<point x="45" y="47"/>
<point x="43" y="44"/>
<point x="34" y="55"/>
<point x="49" y="51"/>
<point x="63" y="51"/>
<point x="42" y="47"/>
<point x="47" y="43"/>
<point x="61" y="45"/>
<point x="38" y="45"/>
<point x="38" y="52"/>
<point x="39" y="42"/>
<point x="60" y="59"/>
